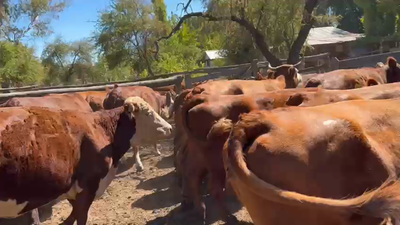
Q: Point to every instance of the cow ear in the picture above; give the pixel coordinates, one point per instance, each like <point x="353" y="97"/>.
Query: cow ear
<point x="380" y="65"/>
<point x="392" y="63"/>
<point x="259" y="76"/>
<point x="295" y="100"/>
<point x="270" y="74"/>
<point x="372" y="82"/>
<point x="136" y="107"/>
<point x="126" y="108"/>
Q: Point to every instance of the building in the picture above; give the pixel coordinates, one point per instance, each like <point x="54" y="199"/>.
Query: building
<point x="338" y="42"/>
<point x="212" y="55"/>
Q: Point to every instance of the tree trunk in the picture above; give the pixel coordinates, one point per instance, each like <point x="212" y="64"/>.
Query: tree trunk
<point x="307" y="23"/>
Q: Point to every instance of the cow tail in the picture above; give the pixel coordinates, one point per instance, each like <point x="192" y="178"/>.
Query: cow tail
<point x="189" y="104"/>
<point x="383" y="202"/>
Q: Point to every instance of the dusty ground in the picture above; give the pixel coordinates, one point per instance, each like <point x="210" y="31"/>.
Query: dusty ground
<point x="150" y="197"/>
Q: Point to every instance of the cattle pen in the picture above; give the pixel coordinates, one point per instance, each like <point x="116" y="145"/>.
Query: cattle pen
<point x="152" y="196"/>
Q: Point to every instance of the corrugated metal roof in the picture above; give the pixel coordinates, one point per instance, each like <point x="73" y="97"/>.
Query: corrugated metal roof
<point x="330" y="35"/>
<point x="215" y="54"/>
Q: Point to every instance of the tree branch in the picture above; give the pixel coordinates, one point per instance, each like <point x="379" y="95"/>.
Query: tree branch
<point x="255" y="33"/>
<point x="307" y="23"/>
<point x="185" y="7"/>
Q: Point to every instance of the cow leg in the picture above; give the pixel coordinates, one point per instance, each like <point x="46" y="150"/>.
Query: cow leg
<point x="195" y="190"/>
<point x="71" y="218"/>
<point x="80" y="207"/>
<point x="35" y="216"/>
<point x="192" y="179"/>
<point x="139" y="164"/>
<point x="157" y="151"/>
<point x="218" y="193"/>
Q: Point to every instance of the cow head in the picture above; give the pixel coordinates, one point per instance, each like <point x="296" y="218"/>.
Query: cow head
<point x="168" y="110"/>
<point x="392" y="70"/>
<point x="290" y="72"/>
<point x="149" y="125"/>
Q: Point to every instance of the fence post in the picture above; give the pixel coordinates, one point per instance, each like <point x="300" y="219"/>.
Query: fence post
<point x="178" y="85"/>
<point x="188" y="81"/>
<point x="254" y="67"/>
<point x="335" y="63"/>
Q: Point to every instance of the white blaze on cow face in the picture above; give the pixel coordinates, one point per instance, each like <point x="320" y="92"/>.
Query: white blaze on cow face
<point x="329" y="122"/>
<point x="149" y="125"/>
<point x="10" y="208"/>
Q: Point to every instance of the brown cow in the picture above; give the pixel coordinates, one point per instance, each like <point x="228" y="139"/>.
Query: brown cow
<point x="296" y="165"/>
<point x="50" y="154"/>
<point x="204" y="153"/>
<point x="70" y="101"/>
<point x="198" y="156"/>
<point x="353" y="78"/>
<point x="290" y="72"/>
<point x="117" y="96"/>
<point x="322" y="96"/>
<point x="94" y="98"/>
<point x="217" y="87"/>
<point x="238" y="87"/>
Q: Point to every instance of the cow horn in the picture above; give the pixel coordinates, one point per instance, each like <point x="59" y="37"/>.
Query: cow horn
<point x="297" y="64"/>
<point x="271" y="67"/>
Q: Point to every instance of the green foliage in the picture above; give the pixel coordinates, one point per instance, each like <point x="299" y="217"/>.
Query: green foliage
<point x="18" y="65"/>
<point x="30" y="18"/>
<point x="101" y="72"/>
<point x="67" y="62"/>
<point x="278" y="20"/>
<point x="126" y="33"/>
<point x="379" y="16"/>
<point x="347" y="12"/>
<point x="181" y="52"/>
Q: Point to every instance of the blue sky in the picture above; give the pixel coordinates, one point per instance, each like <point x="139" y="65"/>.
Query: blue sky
<point x="76" y="21"/>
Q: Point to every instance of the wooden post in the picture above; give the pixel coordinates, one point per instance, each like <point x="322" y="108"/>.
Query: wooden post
<point x="335" y="63"/>
<point x="188" y="81"/>
<point x="178" y="85"/>
<point x="254" y="67"/>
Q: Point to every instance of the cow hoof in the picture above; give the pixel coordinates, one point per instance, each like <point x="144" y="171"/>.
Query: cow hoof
<point x="139" y="168"/>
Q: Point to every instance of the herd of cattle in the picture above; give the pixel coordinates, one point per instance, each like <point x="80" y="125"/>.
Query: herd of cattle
<point x="311" y="149"/>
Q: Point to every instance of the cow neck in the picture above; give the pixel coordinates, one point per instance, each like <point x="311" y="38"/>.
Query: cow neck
<point x="115" y="121"/>
<point x="108" y="120"/>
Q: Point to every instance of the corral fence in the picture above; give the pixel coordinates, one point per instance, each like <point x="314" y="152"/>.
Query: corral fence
<point x="309" y="64"/>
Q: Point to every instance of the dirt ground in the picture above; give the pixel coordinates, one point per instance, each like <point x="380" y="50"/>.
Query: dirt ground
<point x="150" y="197"/>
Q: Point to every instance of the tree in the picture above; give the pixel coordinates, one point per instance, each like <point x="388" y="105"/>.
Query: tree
<point x="349" y="13"/>
<point x="18" y="65"/>
<point x="251" y="17"/>
<point x="182" y="52"/>
<point x="30" y="18"/>
<point x="102" y="73"/>
<point x="125" y="33"/>
<point x="64" y="61"/>
<point x="3" y="11"/>
<point x="380" y="16"/>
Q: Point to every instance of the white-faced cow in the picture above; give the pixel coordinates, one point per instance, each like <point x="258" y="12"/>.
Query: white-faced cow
<point x="51" y="154"/>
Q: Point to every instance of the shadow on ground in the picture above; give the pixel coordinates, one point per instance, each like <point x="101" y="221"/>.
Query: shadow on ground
<point x="166" y="162"/>
<point x="45" y="212"/>
<point x="168" y="194"/>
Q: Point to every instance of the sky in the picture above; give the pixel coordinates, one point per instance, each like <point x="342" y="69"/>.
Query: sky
<point x="77" y="21"/>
